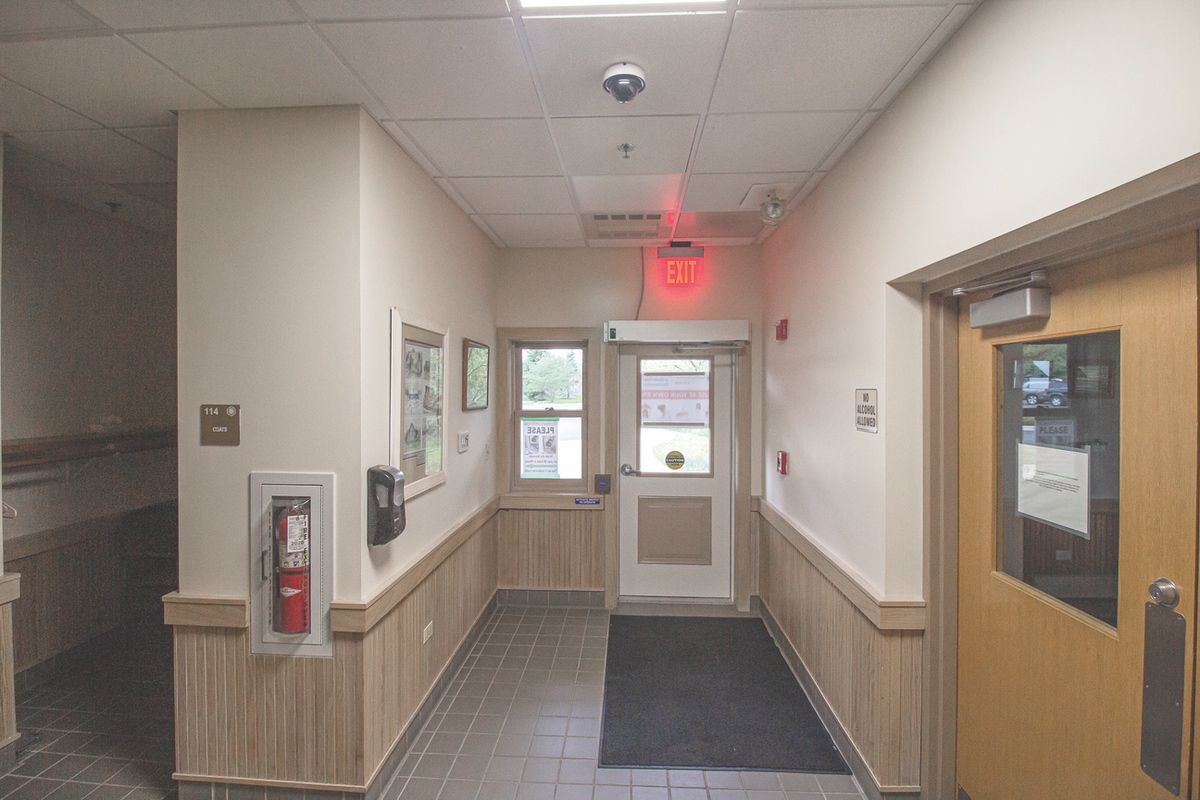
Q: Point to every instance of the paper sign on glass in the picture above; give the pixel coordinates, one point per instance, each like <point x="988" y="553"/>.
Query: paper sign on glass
<point x="539" y="447"/>
<point x="675" y="398"/>
<point x="1052" y="486"/>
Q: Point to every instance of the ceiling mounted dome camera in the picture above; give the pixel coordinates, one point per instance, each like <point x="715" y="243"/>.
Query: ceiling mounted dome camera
<point x="773" y="209"/>
<point x="624" y="81"/>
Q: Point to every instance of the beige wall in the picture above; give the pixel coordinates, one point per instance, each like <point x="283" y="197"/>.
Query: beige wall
<point x="299" y="230"/>
<point x="589" y="286"/>
<point x="1032" y="107"/>
<point x="421" y="255"/>
<point x="567" y="287"/>
<point x="268" y="308"/>
<point x="88" y="326"/>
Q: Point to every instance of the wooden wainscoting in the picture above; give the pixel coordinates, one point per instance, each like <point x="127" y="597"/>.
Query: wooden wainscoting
<point x="325" y="723"/>
<point x="72" y="588"/>
<point x="551" y="549"/>
<point x="10" y="589"/>
<point x="870" y="677"/>
<point x="400" y="670"/>
<point x="267" y="718"/>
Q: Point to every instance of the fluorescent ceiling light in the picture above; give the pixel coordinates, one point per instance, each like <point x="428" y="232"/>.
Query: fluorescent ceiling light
<point x="583" y="3"/>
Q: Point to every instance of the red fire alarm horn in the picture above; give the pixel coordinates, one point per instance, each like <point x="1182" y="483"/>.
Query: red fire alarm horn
<point x="781" y="330"/>
<point x="781" y="462"/>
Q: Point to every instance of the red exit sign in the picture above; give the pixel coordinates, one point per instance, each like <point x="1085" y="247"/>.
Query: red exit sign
<point x="682" y="271"/>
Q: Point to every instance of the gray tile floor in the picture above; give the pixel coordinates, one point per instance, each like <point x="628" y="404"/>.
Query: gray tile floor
<point x="102" y="730"/>
<point x="521" y="721"/>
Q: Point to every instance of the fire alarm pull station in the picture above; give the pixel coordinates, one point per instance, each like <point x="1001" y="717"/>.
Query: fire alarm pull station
<point x="291" y="524"/>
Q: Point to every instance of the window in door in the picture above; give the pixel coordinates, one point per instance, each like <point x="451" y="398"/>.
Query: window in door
<point x="674" y="428"/>
<point x="1060" y="480"/>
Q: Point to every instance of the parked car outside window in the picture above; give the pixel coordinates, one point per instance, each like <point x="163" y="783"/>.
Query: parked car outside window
<point x="1045" y="392"/>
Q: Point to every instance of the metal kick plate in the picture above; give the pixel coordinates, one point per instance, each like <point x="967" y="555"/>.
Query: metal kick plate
<point x="1162" y="695"/>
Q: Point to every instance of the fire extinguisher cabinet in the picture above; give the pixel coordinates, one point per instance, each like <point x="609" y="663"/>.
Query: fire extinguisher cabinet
<point x="291" y="568"/>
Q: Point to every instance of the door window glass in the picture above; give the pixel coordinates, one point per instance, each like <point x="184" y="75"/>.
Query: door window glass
<point x="1060" y="432"/>
<point x="674" y="431"/>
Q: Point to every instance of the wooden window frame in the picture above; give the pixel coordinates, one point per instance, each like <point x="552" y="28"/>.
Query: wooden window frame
<point x="508" y="365"/>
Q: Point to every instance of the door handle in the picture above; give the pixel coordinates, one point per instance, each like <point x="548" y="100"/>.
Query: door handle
<point x="1163" y="686"/>
<point x="1164" y="592"/>
<point x="627" y="470"/>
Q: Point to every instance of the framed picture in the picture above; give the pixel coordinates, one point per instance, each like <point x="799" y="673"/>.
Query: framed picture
<point x="418" y="382"/>
<point x="475" y="375"/>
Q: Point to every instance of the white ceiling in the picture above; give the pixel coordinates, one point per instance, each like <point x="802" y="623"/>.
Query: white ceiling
<point x="503" y="107"/>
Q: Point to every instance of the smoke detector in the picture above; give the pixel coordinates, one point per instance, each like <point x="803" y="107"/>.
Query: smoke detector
<point x="624" y="81"/>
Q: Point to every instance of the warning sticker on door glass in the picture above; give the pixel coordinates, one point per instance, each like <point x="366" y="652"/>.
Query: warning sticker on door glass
<point x="297" y="533"/>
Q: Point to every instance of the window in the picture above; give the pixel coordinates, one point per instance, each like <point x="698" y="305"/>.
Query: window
<point x="674" y="433"/>
<point x="550" y="411"/>
<point x="418" y="386"/>
<point x="1059" y="516"/>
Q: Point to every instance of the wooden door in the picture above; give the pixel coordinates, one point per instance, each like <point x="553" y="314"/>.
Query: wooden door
<point x="1052" y="584"/>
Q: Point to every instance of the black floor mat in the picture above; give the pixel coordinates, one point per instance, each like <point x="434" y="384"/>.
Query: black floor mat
<point x="707" y="692"/>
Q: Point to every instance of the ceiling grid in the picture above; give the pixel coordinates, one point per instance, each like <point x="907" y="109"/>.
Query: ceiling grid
<point x="502" y="106"/>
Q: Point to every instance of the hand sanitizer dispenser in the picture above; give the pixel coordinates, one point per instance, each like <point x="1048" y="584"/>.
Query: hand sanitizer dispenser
<point x="385" y="504"/>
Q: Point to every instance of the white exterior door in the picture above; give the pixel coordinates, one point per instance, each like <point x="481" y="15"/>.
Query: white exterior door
<point x="676" y="475"/>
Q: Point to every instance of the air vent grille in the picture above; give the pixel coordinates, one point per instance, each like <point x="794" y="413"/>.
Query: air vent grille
<point x="635" y="225"/>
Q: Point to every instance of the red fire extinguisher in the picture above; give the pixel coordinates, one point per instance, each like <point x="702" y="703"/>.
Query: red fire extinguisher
<point x="292" y="604"/>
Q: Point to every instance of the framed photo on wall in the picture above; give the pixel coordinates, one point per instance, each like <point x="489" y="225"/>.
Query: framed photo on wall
<point x="475" y="375"/>
<point x="418" y="386"/>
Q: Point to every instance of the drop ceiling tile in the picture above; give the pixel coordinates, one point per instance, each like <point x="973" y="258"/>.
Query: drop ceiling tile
<point x="953" y="21"/>
<point x="142" y="14"/>
<point x="627" y="193"/>
<point x="397" y="9"/>
<point x="648" y="241"/>
<point x="516" y="195"/>
<point x="487" y="147"/>
<point x="440" y="69"/>
<point x="483" y="226"/>
<point x="807" y="188"/>
<point x="795" y="142"/>
<point x="447" y="187"/>
<point x="589" y="144"/>
<point x="42" y="16"/>
<point x="23" y="110"/>
<point x="849" y="139"/>
<point x="550" y="243"/>
<point x="679" y="54"/>
<point x="727" y="192"/>
<point x="162" y="139"/>
<point x="103" y="155"/>
<point x="828" y="3"/>
<point x="104" y="78"/>
<point x="409" y="146"/>
<point x="254" y="67"/>
<point x="818" y="59"/>
<point x="130" y="209"/>
<point x="727" y="224"/>
<point x="37" y="174"/>
<point x="535" y="227"/>
<point x="164" y="194"/>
